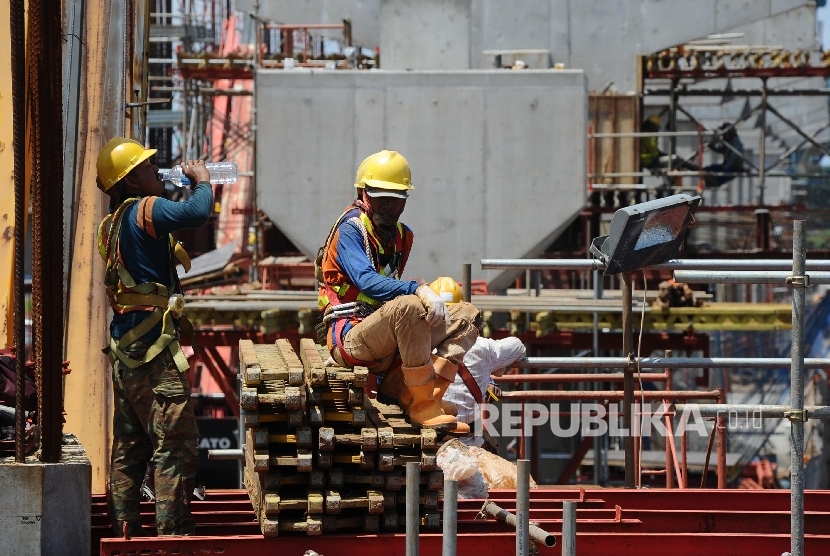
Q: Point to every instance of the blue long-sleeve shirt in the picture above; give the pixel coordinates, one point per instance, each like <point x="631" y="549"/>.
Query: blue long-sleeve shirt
<point x="352" y="259"/>
<point x="147" y="256"/>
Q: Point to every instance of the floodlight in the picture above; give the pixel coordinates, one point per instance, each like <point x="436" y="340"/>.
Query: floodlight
<point x="645" y="234"/>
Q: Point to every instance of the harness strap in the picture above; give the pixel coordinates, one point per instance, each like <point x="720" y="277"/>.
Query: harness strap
<point x="471" y="383"/>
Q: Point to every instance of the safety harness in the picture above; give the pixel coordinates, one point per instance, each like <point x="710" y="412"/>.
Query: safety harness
<point x="126" y="296"/>
<point x="470" y="383"/>
<point x="344" y="305"/>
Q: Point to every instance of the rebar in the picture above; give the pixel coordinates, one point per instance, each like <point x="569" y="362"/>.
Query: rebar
<point x="450" y="536"/>
<point x="568" y="528"/>
<point x="413" y="477"/>
<point x="797" y="392"/>
<point x="16" y="9"/>
<point x="522" y="507"/>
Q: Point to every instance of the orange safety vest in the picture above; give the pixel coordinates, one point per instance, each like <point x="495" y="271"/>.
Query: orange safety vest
<point x="336" y="288"/>
<point x="126" y="296"/>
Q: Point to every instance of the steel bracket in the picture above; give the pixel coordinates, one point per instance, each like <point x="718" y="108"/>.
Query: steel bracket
<point x="799" y="281"/>
<point x="796" y="415"/>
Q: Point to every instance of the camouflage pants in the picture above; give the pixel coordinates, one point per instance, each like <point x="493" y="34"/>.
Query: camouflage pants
<point x="153" y="421"/>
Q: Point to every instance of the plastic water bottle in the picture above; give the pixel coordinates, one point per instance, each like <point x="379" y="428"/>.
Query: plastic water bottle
<point x="220" y="172"/>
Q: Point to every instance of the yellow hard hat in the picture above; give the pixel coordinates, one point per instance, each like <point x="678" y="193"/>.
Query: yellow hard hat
<point x="118" y="157"/>
<point x="447" y="289"/>
<point x="654" y="119"/>
<point x="384" y="172"/>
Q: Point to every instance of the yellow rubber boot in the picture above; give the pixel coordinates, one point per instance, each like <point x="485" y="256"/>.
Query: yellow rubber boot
<point x="405" y="400"/>
<point x="425" y="409"/>
<point x="445" y="372"/>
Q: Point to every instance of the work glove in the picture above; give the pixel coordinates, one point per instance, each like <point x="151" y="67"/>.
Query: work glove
<point x="435" y="306"/>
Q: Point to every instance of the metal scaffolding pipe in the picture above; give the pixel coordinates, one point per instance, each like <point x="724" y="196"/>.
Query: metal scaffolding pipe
<point x="667" y="363"/>
<point x="222" y="455"/>
<point x="677" y="264"/>
<point x="568" y="528"/>
<point x="576" y="377"/>
<point x="467" y="282"/>
<point x="797" y="390"/>
<point x="536" y="533"/>
<point x="413" y="479"/>
<point x="522" y="507"/>
<point x="780" y="277"/>
<point x="608" y="395"/>
<point x="628" y="381"/>
<point x="752" y="411"/>
<point x="450" y="536"/>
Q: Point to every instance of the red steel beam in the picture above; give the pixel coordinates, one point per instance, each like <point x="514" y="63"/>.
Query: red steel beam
<point x="222" y="375"/>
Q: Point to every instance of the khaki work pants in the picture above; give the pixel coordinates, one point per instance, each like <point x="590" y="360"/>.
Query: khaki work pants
<point x="399" y="325"/>
<point x="153" y="421"/>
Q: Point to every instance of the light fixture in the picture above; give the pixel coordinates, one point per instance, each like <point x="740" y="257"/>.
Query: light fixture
<point x="645" y="234"/>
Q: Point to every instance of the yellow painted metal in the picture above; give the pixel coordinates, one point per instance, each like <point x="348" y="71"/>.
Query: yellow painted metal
<point x="6" y="183"/>
<point x="88" y="389"/>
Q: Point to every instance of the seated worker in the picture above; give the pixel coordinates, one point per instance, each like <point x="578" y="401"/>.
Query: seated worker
<point x="732" y="161"/>
<point x="370" y="316"/>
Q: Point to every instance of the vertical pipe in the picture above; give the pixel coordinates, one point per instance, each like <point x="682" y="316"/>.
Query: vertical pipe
<point x="467" y="282"/>
<point x="672" y="124"/>
<point x="797" y="391"/>
<point x="413" y="480"/>
<point x="628" y="384"/>
<point x="450" y="518"/>
<point x="762" y="161"/>
<point x="720" y="423"/>
<point x="522" y="439"/>
<point x="568" y="528"/>
<point x="523" y="507"/>
<point x="684" y="464"/>
<point x="598" y="438"/>
<point x="254" y="131"/>
<point x="19" y="129"/>
<point x="669" y="458"/>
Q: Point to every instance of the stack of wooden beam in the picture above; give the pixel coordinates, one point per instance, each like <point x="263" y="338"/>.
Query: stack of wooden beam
<point x="319" y="456"/>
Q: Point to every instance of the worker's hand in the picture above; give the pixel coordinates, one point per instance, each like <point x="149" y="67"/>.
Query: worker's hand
<point x="196" y="171"/>
<point x="435" y="306"/>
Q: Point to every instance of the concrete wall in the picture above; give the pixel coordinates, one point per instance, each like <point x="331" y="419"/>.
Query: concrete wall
<point x="498" y="157"/>
<point x="405" y="23"/>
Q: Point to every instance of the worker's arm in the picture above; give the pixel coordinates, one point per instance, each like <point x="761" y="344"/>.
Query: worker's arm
<point x="352" y="258"/>
<point x="505" y="352"/>
<point x="169" y="216"/>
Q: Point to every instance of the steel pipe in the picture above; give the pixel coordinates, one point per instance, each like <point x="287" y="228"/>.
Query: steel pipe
<point x="608" y="395"/>
<point x="536" y="533"/>
<point x="450" y="537"/>
<point x="413" y="481"/>
<point x="677" y="264"/>
<point x="522" y="507"/>
<point x="780" y="277"/>
<point x="467" y="282"/>
<point x="568" y="528"/>
<point x="576" y="377"/>
<point x="666" y="363"/>
<point x="797" y="390"/>
<point x="752" y="411"/>
<point x="224" y="455"/>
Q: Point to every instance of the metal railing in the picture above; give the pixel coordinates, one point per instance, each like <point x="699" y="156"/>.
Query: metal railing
<point x="799" y="275"/>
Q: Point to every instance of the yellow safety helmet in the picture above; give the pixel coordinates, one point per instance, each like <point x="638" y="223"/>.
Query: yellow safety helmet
<point x="118" y="157"/>
<point x="385" y="173"/>
<point x="654" y="119"/>
<point x="447" y="289"/>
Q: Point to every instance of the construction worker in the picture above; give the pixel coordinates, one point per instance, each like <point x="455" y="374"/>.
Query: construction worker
<point x="153" y="415"/>
<point x="729" y="145"/>
<point x="370" y="316"/>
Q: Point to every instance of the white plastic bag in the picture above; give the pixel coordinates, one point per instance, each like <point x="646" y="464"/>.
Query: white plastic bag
<point x="457" y="461"/>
